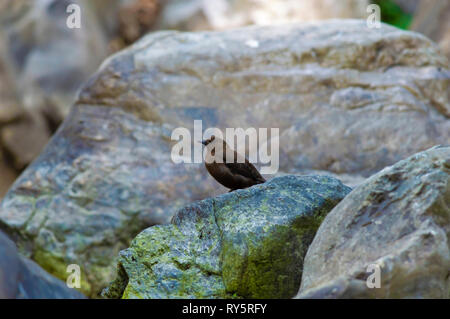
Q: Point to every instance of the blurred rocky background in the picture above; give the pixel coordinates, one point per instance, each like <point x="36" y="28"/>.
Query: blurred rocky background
<point x="43" y="63"/>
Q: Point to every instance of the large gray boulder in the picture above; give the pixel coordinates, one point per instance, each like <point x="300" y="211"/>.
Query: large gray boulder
<point x="249" y="243"/>
<point x="345" y="101"/>
<point x="23" y="279"/>
<point x="398" y="221"/>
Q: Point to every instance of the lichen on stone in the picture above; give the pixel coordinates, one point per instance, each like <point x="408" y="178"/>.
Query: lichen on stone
<point x="246" y="244"/>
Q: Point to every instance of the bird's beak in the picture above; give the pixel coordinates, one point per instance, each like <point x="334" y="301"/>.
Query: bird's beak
<point x="203" y="142"/>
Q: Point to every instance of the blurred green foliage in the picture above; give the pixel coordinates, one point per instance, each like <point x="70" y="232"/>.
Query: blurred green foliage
<point x="391" y="13"/>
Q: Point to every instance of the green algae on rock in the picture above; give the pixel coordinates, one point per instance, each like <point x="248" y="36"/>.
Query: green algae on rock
<point x="248" y="243"/>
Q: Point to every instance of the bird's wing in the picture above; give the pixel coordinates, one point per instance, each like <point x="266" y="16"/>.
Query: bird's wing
<point x="245" y="169"/>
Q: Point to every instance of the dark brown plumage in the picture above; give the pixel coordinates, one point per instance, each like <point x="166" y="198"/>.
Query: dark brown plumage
<point x="236" y="175"/>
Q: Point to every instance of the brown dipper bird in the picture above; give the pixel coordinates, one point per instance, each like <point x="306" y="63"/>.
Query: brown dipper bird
<point x="237" y="175"/>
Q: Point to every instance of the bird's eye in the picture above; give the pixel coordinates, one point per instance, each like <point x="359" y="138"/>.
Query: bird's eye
<point x="212" y="138"/>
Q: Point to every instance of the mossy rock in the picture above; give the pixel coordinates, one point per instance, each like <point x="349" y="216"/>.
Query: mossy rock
<point x="245" y="244"/>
